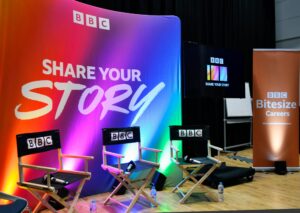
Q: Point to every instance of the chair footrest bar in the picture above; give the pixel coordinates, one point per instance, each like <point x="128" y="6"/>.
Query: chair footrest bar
<point x="118" y="202"/>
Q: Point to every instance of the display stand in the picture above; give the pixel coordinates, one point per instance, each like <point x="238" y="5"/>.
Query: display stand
<point x="237" y="111"/>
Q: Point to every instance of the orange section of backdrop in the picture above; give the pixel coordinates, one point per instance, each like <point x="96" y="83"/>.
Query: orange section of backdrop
<point x="275" y="107"/>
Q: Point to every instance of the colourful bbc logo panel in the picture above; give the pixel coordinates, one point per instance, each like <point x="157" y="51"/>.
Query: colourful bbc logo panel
<point x="216" y="73"/>
<point x="223" y="73"/>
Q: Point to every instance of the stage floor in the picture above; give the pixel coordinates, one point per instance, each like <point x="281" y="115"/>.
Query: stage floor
<point x="266" y="191"/>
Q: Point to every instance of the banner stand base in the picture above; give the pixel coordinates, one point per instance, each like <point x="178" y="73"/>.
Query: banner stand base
<point x="272" y="169"/>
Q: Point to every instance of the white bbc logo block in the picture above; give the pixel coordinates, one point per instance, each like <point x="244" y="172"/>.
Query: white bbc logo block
<point x="122" y="135"/>
<point x="276" y="95"/>
<point x="270" y="95"/>
<point x="104" y="23"/>
<point x="198" y="132"/>
<point x="182" y="132"/>
<point x="48" y="141"/>
<point x="190" y="133"/>
<point x="78" y="17"/>
<point x="114" y="136"/>
<point x="31" y="143"/>
<point x="284" y="95"/>
<point x="91" y="21"/>
<point x="129" y="135"/>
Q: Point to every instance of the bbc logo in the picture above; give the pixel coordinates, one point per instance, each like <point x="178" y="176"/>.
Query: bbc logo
<point x="39" y="142"/>
<point x="214" y="60"/>
<point x="90" y="20"/>
<point x="190" y="133"/>
<point x="277" y="94"/>
<point x="120" y="136"/>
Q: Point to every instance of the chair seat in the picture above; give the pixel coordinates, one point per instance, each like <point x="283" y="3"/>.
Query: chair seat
<point x="17" y="204"/>
<point x="140" y="172"/>
<point x="203" y="160"/>
<point x="69" y="177"/>
<point x="140" y="166"/>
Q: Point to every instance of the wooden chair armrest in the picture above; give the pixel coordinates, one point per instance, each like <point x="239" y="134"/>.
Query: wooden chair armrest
<point x="150" y="162"/>
<point x="119" y="156"/>
<point x="83" y="157"/>
<point x="112" y="169"/>
<point x="216" y="147"/>
<point x="77" y="156"/>
<point x="156" y="151"/>
<point x="113" y="154"/>
<point x="76" y="172"/>
<point x="45" y="168"/>
<point x="36" y="185"/>
<point x="219" y="149"/>
<point x="151" y="149"/>
<point x="215" y="160"/>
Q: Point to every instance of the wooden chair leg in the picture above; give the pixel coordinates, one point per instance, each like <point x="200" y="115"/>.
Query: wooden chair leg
<point x="123" y="180"/>
<point x="60" y="200"/>
<point x="136" y="190"/>
<point x="141" y="191"/>
<point x="42" y="200"/>
<point x="206" y="175"/>
<point x="146" y="183"/>
<point x="40" y="204"/>
<point x="77" y="194"/>
<point x="187" y="177"/>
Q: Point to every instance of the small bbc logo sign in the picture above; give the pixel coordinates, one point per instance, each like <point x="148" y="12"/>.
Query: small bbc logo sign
<point x="277" y="95"/>
<point x="33" y="143"/>
<point x="91" y="20"/>
<point x="121" y="136"/>
<point x="197" y="133"/>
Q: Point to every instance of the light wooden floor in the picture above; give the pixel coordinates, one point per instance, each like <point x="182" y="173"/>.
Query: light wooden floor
<point x="266" y="191"/>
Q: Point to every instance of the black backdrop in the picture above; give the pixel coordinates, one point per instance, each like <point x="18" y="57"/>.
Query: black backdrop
<point x="234" y="24"/>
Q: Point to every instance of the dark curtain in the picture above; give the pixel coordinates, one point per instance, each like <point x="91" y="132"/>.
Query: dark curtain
<point x="234" y="24"/>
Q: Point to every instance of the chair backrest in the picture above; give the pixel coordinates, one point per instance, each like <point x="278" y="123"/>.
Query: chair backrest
<point x="194" y="133"/>
<point x="37" y="142"/>
<point x="114" y="136"/>
<point x="198" y="134"/>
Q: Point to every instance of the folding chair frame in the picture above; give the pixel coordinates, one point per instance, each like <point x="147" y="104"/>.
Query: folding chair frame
<point x="195" y="169"/>
<point x="43" y="192"/>
<point x="119" y="174"/>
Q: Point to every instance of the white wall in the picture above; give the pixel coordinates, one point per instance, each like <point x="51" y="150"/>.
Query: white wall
<point x="287" y="17"/>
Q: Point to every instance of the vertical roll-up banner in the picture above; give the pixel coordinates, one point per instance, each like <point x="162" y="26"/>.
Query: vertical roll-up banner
<point x="275" y="108"/>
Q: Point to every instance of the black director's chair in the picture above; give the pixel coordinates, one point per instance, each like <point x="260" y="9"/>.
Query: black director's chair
<point x="191" y="166"/>
<point x="54" y="179"/>
<point x="17" y="204"/>
<point x="128" y="174"/>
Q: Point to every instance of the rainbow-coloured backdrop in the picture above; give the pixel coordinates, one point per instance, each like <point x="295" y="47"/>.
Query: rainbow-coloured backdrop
<point x="77" y="68"/>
